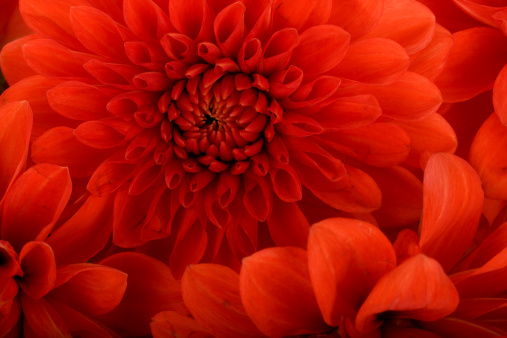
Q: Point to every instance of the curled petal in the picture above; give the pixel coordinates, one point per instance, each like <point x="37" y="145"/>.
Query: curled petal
<point x="346" y="254"/>
<point x="276" y="309"/>
<point x="229" y="39"/>
<point x="39" y="269"/>
<point x="416" y="289"/>
<point x="452" y="202"/>
<point x="211" y="293"/>
<point x="146" y="19"/>
<point x="192" y="18"/>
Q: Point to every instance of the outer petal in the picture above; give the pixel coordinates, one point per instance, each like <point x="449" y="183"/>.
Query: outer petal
<point x="39" y="316"/>
<point x="357" y="17"/>
<point x="300" y="14"/>
<point x="39" y="269"/>
<point x="151" y="288"/>
<point x="15" y="127"/>
<point x="277" y="294"/>
<point x="482" y="10"/>
<point x="452" y="203"/>
<point x="34" y="204"/>
<point x="346" y="254"/>
<point x="192" y="18"/>
<point x="407" y="22"/>
<point x="211" y="293"/>
<point x="449" y="327"/>
<point x="471" y="71"/>
<point x="499" y="97"/>
<point x="417" y="289"/>
<point x="14" y="68"/>
<point x="172" y="324"/>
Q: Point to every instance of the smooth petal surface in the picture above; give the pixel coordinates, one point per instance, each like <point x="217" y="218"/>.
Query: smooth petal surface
<point x="172" y="324"/>
<point x="34" y="204"/>
<point x="15" y="127"/>
<point x="357" y="17"/>
<point x="416" y="289"/>
<point x="346" y="254"/>
<point x="452" y="202"/>
<point x="211" y="294"/>
<point x="40" y="317"/>
<point x="39" y="269"/>
<point x="301" y="14"/>
<point x="499" y="97"/>
<point x="276" y="309"/>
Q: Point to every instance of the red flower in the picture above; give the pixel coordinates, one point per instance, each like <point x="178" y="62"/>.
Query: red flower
<point x="203" y="118"/>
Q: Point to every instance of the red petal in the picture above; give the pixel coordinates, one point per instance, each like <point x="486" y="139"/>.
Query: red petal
<point x="34" y="204"/>
<point x="346" y="254"/>
<point x="79" y="158"/>
<point x="277" y="294"/>
<point x="321" y="48"/>
<point x="469" y="72"/>
<point x="15" y="126"/>
<point x="146" y="19"/>
<point x="373" y="61"/>
<point x="499" y="97"/>
<point x="192" y="18"/>
<point x="258" y="197"/>
<point x="301" y="14"/>
<point x="172" y="324"/>
<point x="450" y="16"/>
<point x="449" y="327"/>
<point x="14" y="67"/>
<point x="452" y="203"/>
<point x="151" y="288"/>
<point x="211" y="293"/>
<point x="85" y="233"/>
<point x="357" y="17"/>
<point x="288" y="225"/>
<point x="89" y="288"/>
<point x="109" y="176"/>
<point x="41" y="318"/>
<point x="230" y="29"/>
<point x="98" y="135"/>
<point x="416" y="289"/>
<point x="407" y="22"/>
<point x="482" y="10"/>
<point x="39" y="269"/>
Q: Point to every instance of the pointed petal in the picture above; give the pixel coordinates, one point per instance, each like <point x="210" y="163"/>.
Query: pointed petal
<point x="469" y="72"/>
<point x="34" y="204"/>
<point x="211" y="294"/>
<point x="39" y="269"/>
<point x="499" y="97"/>
<point x="172" y="324"/>
<point x="346" y="254"/>
<point x="416" y="289"/>
<point x="452" y="203"/>
<point x="357" y="17"/>
<point x="276" y="309"/>
<point x="151" y="288"/>
<point x="15" y="126"/>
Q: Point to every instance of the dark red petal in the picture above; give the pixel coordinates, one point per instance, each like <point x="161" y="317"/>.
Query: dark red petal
<point x="146" y="19"/>
<point x="192" y="18"/>
<point x="357" y="17"/>
<point x="416" y="289"/>
<point x="229" y="28"/>
<point x="41" y="318"/>
<point x="258" y="197"/>
<point x="15" y="126"/>
<point x="469" y="72"/>
<point x="482" y="10"/>
<point x="277" y="294"/>
<point x="321" y="48"/>
<point x="450" y="326"/>
<point x="172" y="324"/>
<point x="346" y="254"/>
<point x="85" y="233"/>
<point x="151" y="288"/>
<point x="373" y="61"/>
<point x="79" y="158"/>
<point x="211" y="293"/>
<point x="39" y="269"/>
<point x="288" y="225"/>
<point x="300" y="14"/>
<point x="34" y="204"/>
<point x="499" y="97"/>
<point x="407" y="22"/>
<point x="452" y="203"/>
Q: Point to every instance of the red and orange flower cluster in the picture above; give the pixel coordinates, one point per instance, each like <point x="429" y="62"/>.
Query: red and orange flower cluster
<point x="198" y="168"/>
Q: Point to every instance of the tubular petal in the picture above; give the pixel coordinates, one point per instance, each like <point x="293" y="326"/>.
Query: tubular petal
<point x="151" y="288"/>
<point x="172" y="324"/>
<point x="34" y="204"/>
<point x="471" y="71"/>
<point x="357" y="17"/>
<point x="230" y="29"/>
<point x="499" y="97"/>
<point x="416" y="289"/>
<point x="15" y="126"/>
<point x="39" y="269"/>
<point x="452" y="202"/>
<point x="211" y="293"/>
<point x="279" y="311"/>
<point x="346" y="254"/>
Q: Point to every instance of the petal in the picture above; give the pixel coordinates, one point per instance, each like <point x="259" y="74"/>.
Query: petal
<point x="407" y="22"/>
<point x="172" y="324"/>
<point x="482" y="11"/>
<point x="373" y="60"/>
<point x="448" y="327"/>
<point x="357" y="17"/>
<point x="39" y="316"/>
<point x="416" y="289"/>
<point x="14" y="68"/>
<point x="146" y="19"/>
<point x="15" y="126"/>
<point x="288" y="225"/>
<point x="300" y="14"/>
<point x="79" y="158"/>
<point x="151" y="288"/>
<point x="211" y="294"/>
<point x="499" y="97"/>
<point x="89" y="288"/>
<point x="229" y="28"/>
<point x="39" y="269"/>
<point x="346" y="254"/>
<point x="192" y="18"/>
<point x="450" y="16"/>
<point x="85" y="233"/>
<point x="34" y="204"/>
<point x="98" y="135"/>
<point x="276" y="309"/>
<point x="326" y="43"/>
<point x="468" y="71"/>
<point x="452" y="203"/>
